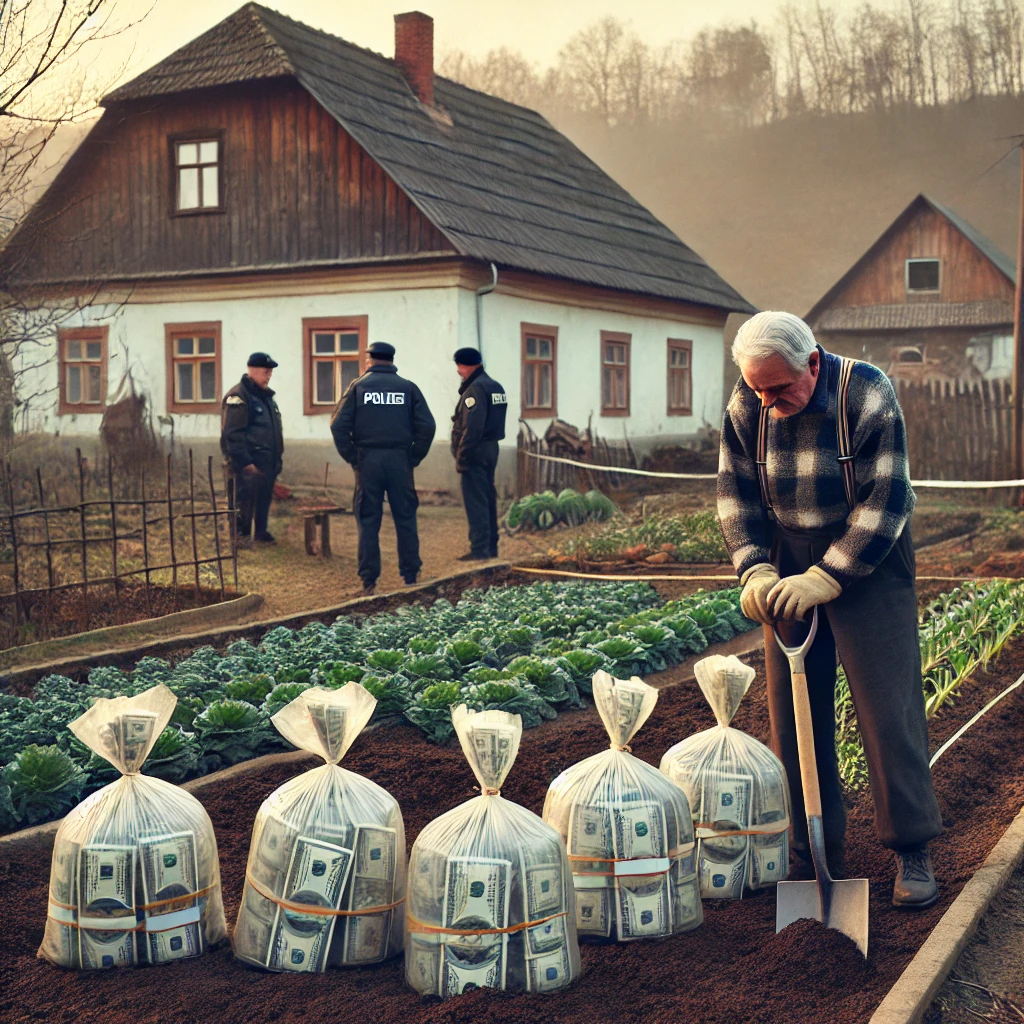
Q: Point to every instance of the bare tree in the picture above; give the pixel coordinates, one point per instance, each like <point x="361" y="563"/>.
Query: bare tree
<point x="46" y="93"/>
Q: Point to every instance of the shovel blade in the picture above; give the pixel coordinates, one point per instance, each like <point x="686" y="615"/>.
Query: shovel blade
<point x="848" y="913"/>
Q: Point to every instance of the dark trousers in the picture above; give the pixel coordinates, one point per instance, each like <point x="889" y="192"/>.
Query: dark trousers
<point x="253" y="494"/>
<point x="481" y="500"/>
<point x="873" y="626"/>
<point x="380" y="471"/>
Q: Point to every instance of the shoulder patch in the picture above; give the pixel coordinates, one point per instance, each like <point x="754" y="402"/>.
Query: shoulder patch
<point x="470" y="402"/>
<point x="234" y="400"/>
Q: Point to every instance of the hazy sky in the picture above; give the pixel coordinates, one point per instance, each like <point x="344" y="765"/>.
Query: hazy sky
<point x="536" y="27"/>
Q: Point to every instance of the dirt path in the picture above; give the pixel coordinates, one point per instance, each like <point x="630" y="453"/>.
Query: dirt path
<point x="732" y="970"/>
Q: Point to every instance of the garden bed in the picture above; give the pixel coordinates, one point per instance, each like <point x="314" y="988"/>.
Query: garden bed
<point x="731" y="970"/>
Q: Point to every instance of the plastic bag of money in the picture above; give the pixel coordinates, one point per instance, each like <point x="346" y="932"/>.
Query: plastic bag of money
<point x="135" y="877"/>
<point x="490" y="891"/>
<point x="627" y="828"/>
<point x="737" y="790"/>
<point x="325" y="880"/>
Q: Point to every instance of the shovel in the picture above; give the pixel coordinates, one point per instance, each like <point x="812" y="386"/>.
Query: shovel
<point x="842" y="905"/>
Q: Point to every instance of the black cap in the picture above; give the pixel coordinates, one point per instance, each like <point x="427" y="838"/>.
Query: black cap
<point x="468" y="357"/>
<point x="382" y="350"/>
<point x="262" y="359"/>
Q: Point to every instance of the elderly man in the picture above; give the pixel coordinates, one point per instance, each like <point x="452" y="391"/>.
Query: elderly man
<point x="804" y="531"/>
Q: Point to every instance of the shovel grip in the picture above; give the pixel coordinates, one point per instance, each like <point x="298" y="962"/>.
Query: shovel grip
<point x="805" y="745"/>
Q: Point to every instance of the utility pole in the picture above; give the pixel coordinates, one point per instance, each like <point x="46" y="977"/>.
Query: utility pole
<point x="1017" y="417"/>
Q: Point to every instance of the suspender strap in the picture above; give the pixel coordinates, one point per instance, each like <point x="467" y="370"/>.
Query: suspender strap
<point x="842" y="441"/>
<point x="843" y="432"/>
<point x="762" y="459"/>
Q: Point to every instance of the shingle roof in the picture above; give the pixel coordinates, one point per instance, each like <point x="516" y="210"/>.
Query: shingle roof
<point x="985" y="313"/>
<point x="499" y="181"/>
<point x="973" y="235"/>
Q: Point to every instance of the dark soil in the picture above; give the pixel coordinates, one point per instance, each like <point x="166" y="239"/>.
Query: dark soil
<point x="63" y="613"/>
<point x="732" y="970"/>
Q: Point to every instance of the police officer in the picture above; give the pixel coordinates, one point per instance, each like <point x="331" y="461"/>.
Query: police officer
<point x="477" y="427"/>
<point x="383" y="429"/>
<point x="252" y="441"/>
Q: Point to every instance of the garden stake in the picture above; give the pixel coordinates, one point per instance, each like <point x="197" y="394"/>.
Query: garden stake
<point x="842" y="905"/>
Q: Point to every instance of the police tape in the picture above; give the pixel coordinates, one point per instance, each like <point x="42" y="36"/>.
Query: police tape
<point x="953" y="484"/>
<point x="682" y="577"/>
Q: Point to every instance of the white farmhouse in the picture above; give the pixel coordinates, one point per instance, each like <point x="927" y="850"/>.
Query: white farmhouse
<point x="269" y="187"/>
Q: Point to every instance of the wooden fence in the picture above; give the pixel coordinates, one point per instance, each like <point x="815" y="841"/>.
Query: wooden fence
<point x="156" y="536"/>
<point x="564" y="441"/>
<point x="958" y="431"/>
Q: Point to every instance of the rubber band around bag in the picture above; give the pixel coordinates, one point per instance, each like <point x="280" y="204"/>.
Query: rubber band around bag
<point x="430" y="929"/>
<point x="309" y="908"/>
<point x="729" y="833"/>
<point x="141" y="925"/>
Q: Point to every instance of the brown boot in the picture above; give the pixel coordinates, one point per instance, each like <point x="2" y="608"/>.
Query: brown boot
<point x="915" y="887"/>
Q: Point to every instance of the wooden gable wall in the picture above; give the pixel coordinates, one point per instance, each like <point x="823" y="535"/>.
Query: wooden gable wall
<point x="966" y="274"/>
<point x="296" y="187"/>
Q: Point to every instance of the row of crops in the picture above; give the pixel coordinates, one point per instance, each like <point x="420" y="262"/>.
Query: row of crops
<point x="528" y="650"/>
<point x="546" y="509"/>
<point x="960" y="632"/>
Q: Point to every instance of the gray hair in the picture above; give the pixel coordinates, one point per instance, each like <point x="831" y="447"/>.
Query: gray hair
<point x="773" y="333"/>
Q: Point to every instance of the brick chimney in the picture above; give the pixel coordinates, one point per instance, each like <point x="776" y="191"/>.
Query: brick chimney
<point x="414" y="53"/>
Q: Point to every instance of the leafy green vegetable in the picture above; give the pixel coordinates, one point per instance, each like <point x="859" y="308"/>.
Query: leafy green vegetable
<point x="230" y="731"/>
<point x="335" y="674"/>
<point x="253" y="689"/>
<point x="393" y="694"/>
<point x="552" y="681"/>
<point x="386" y="661"/>
<point x="282" y="695"/>
<point x="465" y="653"/>
<point x="44" y="783"/>
<point x="428" y="666"/>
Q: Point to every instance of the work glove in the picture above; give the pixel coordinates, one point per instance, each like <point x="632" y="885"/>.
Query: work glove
<point x="795" y="596"/>
<point x="757" y="581"/>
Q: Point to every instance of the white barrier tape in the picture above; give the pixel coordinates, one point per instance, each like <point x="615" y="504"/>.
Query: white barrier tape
<point x="991" y="704"/>
<point x="954" y="484"/>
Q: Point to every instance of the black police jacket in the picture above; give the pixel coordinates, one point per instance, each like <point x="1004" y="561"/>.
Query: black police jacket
<point x="479" y="417"/>
<point x="250" y="428"/>
<point x="382" y="410"/>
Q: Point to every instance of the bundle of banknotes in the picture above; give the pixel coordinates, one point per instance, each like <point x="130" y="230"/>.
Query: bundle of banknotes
<point x="134" y="877"/>
<point x="326" y="845"/>
<point x="737" y="790"/>
<point x="628" y="830"/>
<point x="117" y="905"/>
<point x="490" y="891"/>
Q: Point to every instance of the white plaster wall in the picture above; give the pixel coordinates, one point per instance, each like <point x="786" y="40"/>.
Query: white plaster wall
<point x="579" y="365"/>
<point x="426" y="326"/>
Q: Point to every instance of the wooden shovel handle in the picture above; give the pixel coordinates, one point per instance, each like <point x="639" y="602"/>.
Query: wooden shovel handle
<point x="805" y="745"/>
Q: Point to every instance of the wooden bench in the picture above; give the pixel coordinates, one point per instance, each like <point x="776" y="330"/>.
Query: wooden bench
<point x="319" y="517"/>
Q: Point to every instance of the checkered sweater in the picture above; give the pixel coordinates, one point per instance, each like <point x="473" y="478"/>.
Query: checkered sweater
<point x="804" y="480"/>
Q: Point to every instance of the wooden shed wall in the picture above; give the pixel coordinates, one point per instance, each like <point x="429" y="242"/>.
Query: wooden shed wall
<point x="296" y="188"/>
<point x="966" y="275"/>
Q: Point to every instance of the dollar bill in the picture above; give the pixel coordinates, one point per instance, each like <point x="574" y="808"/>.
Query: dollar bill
<point x="644" y="906"/>
<point x="726" y="808"/>
<point x="67" y="943"/>
<point x="494" y="748"/>
<point x="594" y="910"/>
<point x="272" y="853"/>
<point x="591" y="835"/>
<point x="367" y="938"/>
<point x="255" y="927"/>
<point x="685" y="903"/>
<point x="624" y="707"/>
<point x="546" y="937"/>
<point x="548" y="972"/>
<point x="106" y="883"/>
<point x="329" y="723"/>
<point x="721" y="877"/>
<point x="64" y="875"/>
<point x="316" y="877"/>
<point x="423" y="965"/>
<point x="174" y="943"/>
<point x="639" y="831"/>
<point x="100" y="949"/>
<point x="300" y="942"/>
<point x="543" y="890"/>
<point x="769" y="863"/>
<point x="426" y="890"/>
<point x="476" y="892"/>
<point x="136" y="730"/>
<point x="169" y="870"/>
<point x="468" y="966"/>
